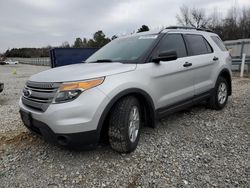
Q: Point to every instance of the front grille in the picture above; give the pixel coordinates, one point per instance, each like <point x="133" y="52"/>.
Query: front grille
<point x="39" y="95"/>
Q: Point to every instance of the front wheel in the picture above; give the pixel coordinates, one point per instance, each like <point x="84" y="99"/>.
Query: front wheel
<point x="219" y="98"/>
<point x="125" y="125"/>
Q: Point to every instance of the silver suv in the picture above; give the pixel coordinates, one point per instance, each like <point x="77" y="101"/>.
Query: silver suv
<point x="127" y="84"/>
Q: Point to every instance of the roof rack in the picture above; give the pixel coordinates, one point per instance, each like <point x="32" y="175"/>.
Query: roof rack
<point x="186" y="27"/>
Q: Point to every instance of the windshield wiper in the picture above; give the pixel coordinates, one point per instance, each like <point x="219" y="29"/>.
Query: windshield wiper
<point x="101" y="60"/>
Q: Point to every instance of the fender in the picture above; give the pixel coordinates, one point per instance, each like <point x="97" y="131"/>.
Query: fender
<point x="131" y="91"/>
<point x="226" y="74"/>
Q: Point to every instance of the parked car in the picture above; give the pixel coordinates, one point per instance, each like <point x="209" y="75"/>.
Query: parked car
<point x="11" y="62"/>
<point x="129" y="83"/>
<point x="1" y="87"/>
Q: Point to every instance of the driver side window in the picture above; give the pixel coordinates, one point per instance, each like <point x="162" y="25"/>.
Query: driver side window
<point x="173" y="42"/>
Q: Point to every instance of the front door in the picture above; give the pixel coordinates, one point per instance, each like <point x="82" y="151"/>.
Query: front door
<point x="172" y="81"/>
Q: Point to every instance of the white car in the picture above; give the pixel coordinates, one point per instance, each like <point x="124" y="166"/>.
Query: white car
<point x="11" y="62"/>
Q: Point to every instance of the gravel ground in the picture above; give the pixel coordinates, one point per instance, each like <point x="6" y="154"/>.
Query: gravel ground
<point x="193" y="148"/>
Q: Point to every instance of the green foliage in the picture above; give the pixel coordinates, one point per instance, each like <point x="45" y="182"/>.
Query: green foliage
<point x="28" y="52"/>
<point x="78" y="43"/>
<point x="98" y="41"/>
<point x="85" y="42"/>
<point x="143" y="28"/>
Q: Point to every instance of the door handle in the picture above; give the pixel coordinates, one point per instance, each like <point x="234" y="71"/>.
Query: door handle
<point x="187" y="64"/>
<point x="215" y="58"/>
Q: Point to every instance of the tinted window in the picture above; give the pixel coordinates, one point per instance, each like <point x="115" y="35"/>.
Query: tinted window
<point x="197" y="45"/>
<point x="173" y="42"/>
<point x="219" y="43"/>
<point x="209" y="48"/>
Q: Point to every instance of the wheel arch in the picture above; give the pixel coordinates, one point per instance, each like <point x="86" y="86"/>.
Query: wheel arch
<point x="144" y="99"/>
<point x="226" y="74"/>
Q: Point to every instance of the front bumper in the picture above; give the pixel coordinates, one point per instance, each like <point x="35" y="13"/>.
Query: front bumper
<point x="84" y="140"/>
<point x="74" y="122"/>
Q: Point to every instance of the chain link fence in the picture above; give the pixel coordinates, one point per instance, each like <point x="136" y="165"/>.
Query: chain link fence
<point x="45" y="61"/>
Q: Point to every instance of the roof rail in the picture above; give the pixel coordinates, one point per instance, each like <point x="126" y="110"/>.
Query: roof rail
<point x="187" y="27"/>
<point x="204" y="29"/>
<point x="180" y="27"/>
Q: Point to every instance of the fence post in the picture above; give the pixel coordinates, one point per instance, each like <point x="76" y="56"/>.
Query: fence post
<point x="242" y="65"/>
<point x="242" y="48"/>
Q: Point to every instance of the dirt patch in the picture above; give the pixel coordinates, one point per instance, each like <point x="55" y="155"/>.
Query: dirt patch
<point x="15" y="137"/>
<point x="3" y="101"/>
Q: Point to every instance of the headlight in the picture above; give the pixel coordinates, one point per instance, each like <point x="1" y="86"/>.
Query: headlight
<point x="71" y="90"/>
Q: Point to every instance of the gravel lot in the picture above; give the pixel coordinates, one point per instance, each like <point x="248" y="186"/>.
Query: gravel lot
<point x="193" y="148"/>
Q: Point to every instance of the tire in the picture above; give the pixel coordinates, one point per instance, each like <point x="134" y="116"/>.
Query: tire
<point x="125" y="116"/>
<point x="218" y="100"/>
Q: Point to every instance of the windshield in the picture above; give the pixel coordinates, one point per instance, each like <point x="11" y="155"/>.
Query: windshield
<point x="127" y="49"/>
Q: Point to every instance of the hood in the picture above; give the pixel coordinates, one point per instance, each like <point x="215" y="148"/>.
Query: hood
<point x="81" y="71"/>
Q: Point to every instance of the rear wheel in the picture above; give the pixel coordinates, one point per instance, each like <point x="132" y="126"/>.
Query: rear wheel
<point x="125" y="125"/>
<point x="220" y="95"/>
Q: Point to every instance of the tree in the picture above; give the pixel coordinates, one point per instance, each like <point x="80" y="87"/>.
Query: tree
<point x="143" y="28"/>
<point x="28" y="52"/>
<point x="91" y="43"/>
<point x="85" y="42"/>
<point x="244" y="23"/>
<point x="78" y="43"/>
<point x="65" y="45"/>
<point x="230" y="29"/>
<point x="99" y="40"/>
<point x="184" y="17"/>
<point x="215" y="19"/>
<point x="192" y="17"/>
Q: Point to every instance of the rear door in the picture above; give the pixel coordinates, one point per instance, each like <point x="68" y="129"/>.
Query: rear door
<point x="203" y="59"/>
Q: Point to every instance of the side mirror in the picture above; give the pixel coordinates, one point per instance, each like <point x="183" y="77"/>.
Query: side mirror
<point x="165" y="56"/>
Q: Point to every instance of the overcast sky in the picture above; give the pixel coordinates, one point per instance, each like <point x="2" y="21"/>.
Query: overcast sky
<point x="37" y="23"/>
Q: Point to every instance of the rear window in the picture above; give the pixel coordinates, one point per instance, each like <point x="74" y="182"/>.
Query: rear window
<point x="219" y="43"/>
<point x="197" y="45"/>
